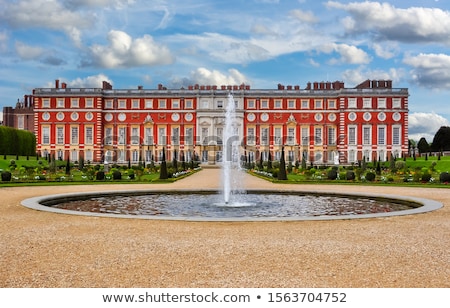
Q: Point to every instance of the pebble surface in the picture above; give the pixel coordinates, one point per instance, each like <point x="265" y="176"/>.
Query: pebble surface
<point x="48" y="250"/>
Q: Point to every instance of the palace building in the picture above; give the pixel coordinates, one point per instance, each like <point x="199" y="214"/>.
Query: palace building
<point x="322" y="123"/>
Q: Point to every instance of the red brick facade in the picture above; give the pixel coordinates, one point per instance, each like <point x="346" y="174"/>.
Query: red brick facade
<point x="324" y="123"/>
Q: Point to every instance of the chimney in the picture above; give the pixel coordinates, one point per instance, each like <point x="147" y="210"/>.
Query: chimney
<point x="63" y="85"/>
<point x="56" y="84"/>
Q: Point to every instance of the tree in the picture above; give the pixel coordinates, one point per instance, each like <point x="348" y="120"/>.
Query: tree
<point x="269" y="162"/>
<point x="282" y="173"/>
<point x="183" y="161"/>
<point x="163" y="175"/>
<point x="441" y="140"/>
<point x="174" y="161"/>
<point x="68" y="166"/>
<point x="423" y="145"/>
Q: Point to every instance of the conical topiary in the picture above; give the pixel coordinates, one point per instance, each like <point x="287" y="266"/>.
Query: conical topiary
<point x="163" y="168"/>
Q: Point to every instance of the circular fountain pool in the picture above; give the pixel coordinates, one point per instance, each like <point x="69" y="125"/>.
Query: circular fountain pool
<point x="255" y="205"/>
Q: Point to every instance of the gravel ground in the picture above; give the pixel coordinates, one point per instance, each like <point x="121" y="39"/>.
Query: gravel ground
<point x="42" y="249"/>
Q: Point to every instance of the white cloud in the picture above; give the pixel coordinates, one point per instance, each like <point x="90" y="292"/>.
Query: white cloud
<point x="49" y="14"/>
<point x="3" y="41"/>
<point x="385" y="50"/>
<point x="303" y="16"/>
<point x="414" y="24"/>
<point x="430" y="70"/>
<point x="95" y="81"/>
<point x="204" y="76"/>
<point x="124" y="51"/>
<point x="349" y="54"/>
<point x="422" y="124"/>
<point x="356" y="76"/>
<point x="27" y="52"/>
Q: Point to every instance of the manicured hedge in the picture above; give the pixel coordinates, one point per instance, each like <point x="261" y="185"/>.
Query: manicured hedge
<point x="16" y="142"/>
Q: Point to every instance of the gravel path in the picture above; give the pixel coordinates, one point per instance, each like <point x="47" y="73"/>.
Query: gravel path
<point x="42" y="249"/>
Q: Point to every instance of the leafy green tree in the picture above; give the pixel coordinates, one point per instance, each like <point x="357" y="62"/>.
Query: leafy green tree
<point x="423" y="145"/>
<point x="441" y="140"/>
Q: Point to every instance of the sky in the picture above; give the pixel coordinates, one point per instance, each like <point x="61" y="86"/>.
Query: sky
<point x="257" y="42"/>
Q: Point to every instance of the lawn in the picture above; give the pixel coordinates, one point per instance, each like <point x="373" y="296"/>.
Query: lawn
<point x="32" y="171"/>
<point x="419" y="171"/>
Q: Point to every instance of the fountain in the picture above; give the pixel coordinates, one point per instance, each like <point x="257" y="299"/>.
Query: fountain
<point x="231" y="161"/>
<point x="233" y="203"/>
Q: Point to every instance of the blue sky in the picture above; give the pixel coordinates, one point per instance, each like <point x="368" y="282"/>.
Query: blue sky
<point x="258" y="42"/>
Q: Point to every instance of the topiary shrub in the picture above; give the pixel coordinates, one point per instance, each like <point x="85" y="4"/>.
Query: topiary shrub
<point x="350" y="175"/>
<point x="6" y="176"/>
<point x="100" y="176"/>
<point x="444" y="177"/>
<point x="400" y="164"/>
<point x="370" y="176"/>
<point x="426" y="177"/>
<point x="332" y="174"/>
<point x="117" y="175"/>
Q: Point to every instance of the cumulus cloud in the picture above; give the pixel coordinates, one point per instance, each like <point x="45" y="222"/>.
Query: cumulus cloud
<point x="49" y="14"/>
<point x="385" y="51"/>
<point x="95" y="81"/>
<point x="349" y="54"/>
<point x="422" y="124"/>
<point x="414" y="24"/>
<point x="205" y="76"/>
<point x="356" y="76"/>
<point x="430" y="70"/>
<point x="124" y="51"/>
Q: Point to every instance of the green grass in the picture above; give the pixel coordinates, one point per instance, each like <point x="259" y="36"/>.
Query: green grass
<point x="27" y="170"/>
<point x="411" y="173"/>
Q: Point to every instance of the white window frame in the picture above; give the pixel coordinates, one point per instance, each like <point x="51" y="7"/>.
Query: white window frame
<point x="367" y="102"/>
<point x="74" y="135"/>
<point x="352" y="102"/>
<point x="291" y="104"/>
<point x="381" y="134"/>
<point x="148" y="136"/>
<point x="162" y="104"/>
<point x="381" y="103"/>
<point x="367" y="134"/>
<point x="148" y="104"/>
<point x="134" y="135"/>
<point x="175" y="104"/>
<point x="60" y="103"/>
<point x="46" y="103"/>
<point x="46" y="135"/>
<point x="122" y="104"/>
<point x="318" y="135"/>
<point x="278" y="135"/>
<point x="305" y="104"/>
<point x="396" y="135"/>
<point x="352" y="134"/>
<point x="264" y="104"/>
<point x="89" y="103"/>
<point x="89" y="136"/>
<point x="278" y="104"/>
<point x="74" y="103"/>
